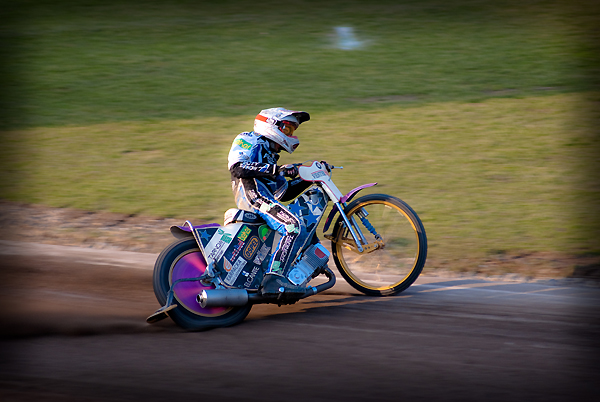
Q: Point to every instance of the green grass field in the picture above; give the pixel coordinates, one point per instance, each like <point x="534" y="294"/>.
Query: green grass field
<point x="86" y="62"/>
<point x="473" y="112"/>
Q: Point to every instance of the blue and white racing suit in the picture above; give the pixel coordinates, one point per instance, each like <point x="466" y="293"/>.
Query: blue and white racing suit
<point x="253" y="166"/>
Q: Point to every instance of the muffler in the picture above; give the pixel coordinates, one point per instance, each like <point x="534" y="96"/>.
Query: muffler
<point x="241" y="297"/>
<point x="222" y="298"/>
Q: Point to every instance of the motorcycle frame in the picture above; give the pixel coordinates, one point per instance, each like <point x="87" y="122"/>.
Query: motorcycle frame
<point x="317" y="173"/>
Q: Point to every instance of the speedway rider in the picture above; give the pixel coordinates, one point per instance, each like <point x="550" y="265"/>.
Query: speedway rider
<point x="259" y="185"/>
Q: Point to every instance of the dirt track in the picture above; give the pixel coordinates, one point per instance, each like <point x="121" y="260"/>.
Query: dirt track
<point x="74" y="330"/>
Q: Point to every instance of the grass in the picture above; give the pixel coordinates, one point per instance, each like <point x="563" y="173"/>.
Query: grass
<point x="503" y="174"/>
<point x="87" y="62"/>
<point x="471" y="111"/>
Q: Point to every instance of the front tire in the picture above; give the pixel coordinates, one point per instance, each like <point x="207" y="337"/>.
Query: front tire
<point x="183" y="259"/>
<point x="390" y="269"/>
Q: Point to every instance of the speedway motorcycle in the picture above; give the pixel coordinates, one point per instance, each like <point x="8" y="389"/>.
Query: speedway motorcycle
<point x="210" y="276"/>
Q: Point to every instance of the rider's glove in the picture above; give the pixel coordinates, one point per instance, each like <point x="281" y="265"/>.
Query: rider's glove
<point x="288" y="170"/>
<point x="326" y="166"/>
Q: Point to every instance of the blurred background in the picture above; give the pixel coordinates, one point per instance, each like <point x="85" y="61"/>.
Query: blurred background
<point x="482" y="115"/>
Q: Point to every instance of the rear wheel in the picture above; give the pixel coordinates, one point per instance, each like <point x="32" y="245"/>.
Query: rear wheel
<point x="401" y="250"/>
<point x="183" y="259"/>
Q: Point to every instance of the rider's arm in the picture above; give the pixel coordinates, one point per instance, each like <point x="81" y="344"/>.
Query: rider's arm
<point x="245" y="161"/>
<point x="253" y="169"/>
<point x="295" y="187"/>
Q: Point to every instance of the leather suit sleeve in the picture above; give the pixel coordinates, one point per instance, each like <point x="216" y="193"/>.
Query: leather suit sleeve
<point x="295" y="187"/>
<point x="243" y="170"/>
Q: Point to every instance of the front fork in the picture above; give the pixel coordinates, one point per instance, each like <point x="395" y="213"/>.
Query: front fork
<point x="361" y="244"/>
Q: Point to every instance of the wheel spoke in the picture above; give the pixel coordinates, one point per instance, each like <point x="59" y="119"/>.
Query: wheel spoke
<point x="393" y="267"/>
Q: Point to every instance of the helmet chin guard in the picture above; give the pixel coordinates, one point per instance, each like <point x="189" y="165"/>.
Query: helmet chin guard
<point x="268" y="123"/>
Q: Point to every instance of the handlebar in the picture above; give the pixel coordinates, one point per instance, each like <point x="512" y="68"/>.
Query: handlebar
<point x="311" y="161"/>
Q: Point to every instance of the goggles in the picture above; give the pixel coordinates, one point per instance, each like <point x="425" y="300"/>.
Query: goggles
<point x="287" y="127"/>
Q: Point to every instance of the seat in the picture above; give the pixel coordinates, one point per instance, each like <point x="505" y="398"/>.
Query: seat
<point x="234" y="215"/>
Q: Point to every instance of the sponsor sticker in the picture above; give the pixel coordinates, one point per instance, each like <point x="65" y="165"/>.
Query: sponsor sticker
<point x="236" y="250"/>
<point x="262" y="254"/>
<point x="285" y="248"/>
<point x="217" y="251"/>
<point x="263" y="232"/>
<point x="251" y="247"/>
<point x="318" y="174"/>
<point x="235" y="271"/>
<point x="218" y="244"/>
<point x="243" y="143"/>
<point x="243" y="235"/>
<point x="250" y="277"/>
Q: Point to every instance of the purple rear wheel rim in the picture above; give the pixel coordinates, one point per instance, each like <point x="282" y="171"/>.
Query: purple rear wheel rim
<point x="191" y="265"/>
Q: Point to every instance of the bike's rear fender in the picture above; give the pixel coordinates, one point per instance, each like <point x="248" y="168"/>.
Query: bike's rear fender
<point x="345" y="199"/>
<point x="181" y="232"/>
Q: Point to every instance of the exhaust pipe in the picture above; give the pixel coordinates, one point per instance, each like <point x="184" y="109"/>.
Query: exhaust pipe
<point x="222" y="298"/>
<point x="324" y="286"/>
<point x="241" y="297"/>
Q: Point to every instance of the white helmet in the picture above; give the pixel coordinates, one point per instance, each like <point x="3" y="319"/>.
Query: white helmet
<point x="271" y="123"/>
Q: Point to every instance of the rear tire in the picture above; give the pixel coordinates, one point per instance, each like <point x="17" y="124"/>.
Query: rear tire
<point x="388" y="270"/>
<point x="183" y="259"/>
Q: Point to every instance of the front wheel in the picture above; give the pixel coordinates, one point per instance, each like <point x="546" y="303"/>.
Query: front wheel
<point x="395" y="250"/>
<point x="183" y="259"/>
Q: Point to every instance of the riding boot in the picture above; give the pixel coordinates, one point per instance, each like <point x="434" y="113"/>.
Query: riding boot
<point x="275" y="284"/>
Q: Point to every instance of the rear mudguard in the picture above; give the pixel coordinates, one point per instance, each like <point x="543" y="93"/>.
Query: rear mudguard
<point x="343" y="200"/>
<point x="181" y="232"/>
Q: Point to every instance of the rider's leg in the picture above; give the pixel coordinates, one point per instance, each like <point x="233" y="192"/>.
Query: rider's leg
<point x="293" y="232"/>
<point x="293" y="237"/>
